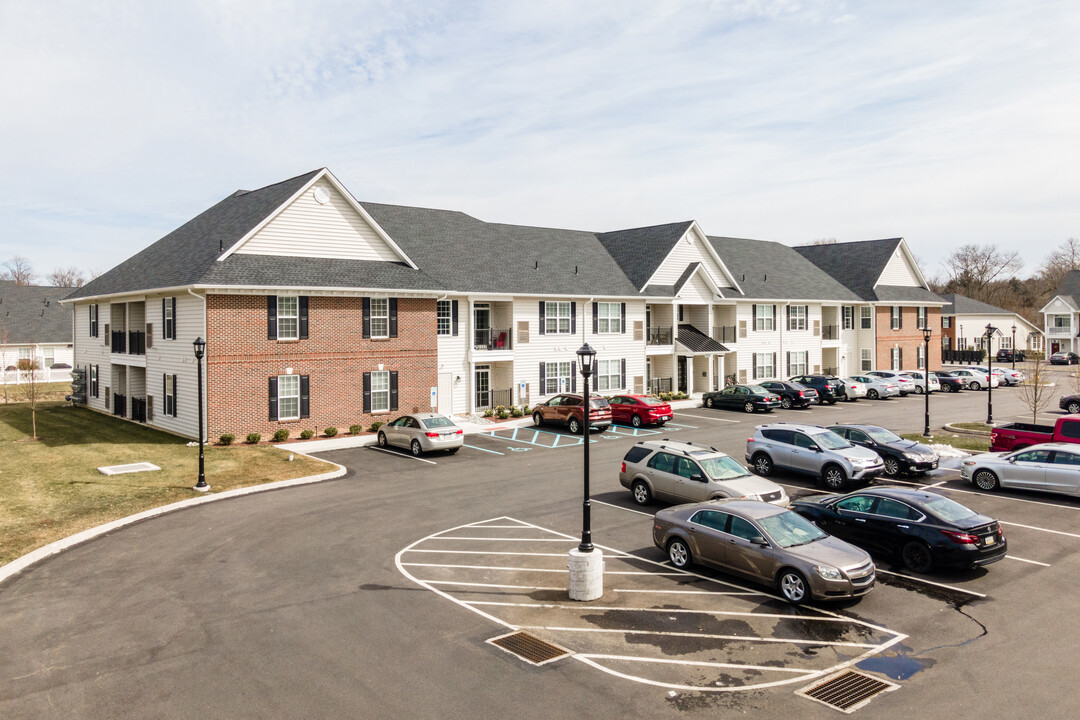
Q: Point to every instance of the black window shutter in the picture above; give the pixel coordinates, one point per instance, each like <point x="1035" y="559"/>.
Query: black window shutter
<point x="367" y="390"/>
<point x="623" y="324"/>
<point x="164" y="393"/>
<point x="273" y="397"/>
<point x="393" y="390"/>
<point x="172" y="332"/>
<point x="754" y="361"/>
<point x="787" y="371"/>
<point x="164" y="325"/>
<point x="900" y="357"/>
<point x="543" y="379"/>
<point x="573" y="318"/>
<point x="774" y="363"/>
<point x="90" y="318"/>
<point x="175" y="392"/>
<point x="595" y="318"/>
<point x="305" y="396"/>
<point x="303" y="320"/>
<point x="622" y="375"/>
<point x="753" y="325"/>
<point x="787" y="313"/>
<point x="453" y="316"/>
<point x="573" y="376"/>
<point x="393" y="318"/>
<point x="899" y="318"/>
<point x="271" y="317"/>
<point x="773" y="317"/>
<point x="366" y="328"/>
<point x="543" y="319"/>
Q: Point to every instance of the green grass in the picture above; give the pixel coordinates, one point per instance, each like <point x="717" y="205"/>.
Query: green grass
<point x="962" y="442"/>
<point x="972" y="426"/>
<point x="50" y="487"/>
<point x="46" y="391"/>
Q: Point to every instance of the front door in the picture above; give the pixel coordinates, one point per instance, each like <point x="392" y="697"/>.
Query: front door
<point x="682" y="374"/>
<point x="483" y="387"/>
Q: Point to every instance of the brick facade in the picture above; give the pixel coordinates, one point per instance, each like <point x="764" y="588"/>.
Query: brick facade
<point x="908" y="338"/>
<point x="240" y="360"/>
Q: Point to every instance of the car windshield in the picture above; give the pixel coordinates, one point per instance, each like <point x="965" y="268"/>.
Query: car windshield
<point x="788" y="529"/>
<point x="652" y="401"/>
<point x="830" y="441"/>
<point x="882" y="435"/>
<point x="723" y="468"/>
<point x="599" y="403"/>
<point x="948" y="510"/>
<point x="437" y="422"/>
<point x="758" y="389"/>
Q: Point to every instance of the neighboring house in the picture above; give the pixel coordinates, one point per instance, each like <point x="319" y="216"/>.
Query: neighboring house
<point x="897" y="300"/>
<point x="34" y="325"/>
<point x="1061" y="316"/>
<point x="321" y="310"/>
<point x="964" y="321"/>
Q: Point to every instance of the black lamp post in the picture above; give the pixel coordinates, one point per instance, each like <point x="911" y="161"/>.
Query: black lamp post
<point x="1014" y="347"/>
<point x="990" y="330"/>
<point x="585" y="356"/>
<point x="200" y="350"/>
<point x="926" y="332"/>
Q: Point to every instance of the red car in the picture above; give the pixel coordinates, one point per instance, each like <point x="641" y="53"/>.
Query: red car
<point x="638" y="410"/>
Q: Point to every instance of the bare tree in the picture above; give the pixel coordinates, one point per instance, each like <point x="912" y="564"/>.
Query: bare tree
<point x="1062" y="260"/>
<point x="972" y="270"/>
<point x="824" y="241"/>
<point x="1037" y="392"/>
<point x="31" y="386"/>
<point x="18" y="269"/>
<point x="5" y="336"/>
<point x="66" y="277"/>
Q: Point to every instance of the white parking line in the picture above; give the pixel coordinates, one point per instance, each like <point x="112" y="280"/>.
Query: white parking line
<point x="1033" y="562"/>
<point x="670" y="661"/>
<point x="1000" y="497"/>
<point x="493" y="452"/>
<point x="620" y="507"/>
<point x="931" y="582"/>
<point x="484" y="552"/>
<point x="740" y="638"/>
<point x="502" y="539"/>
<point x="706" y="417"/>
<point x="391" y="452"/>
<point x="546" y="570"/>
<point x="1046" y="530"/>
<point x="492" y="585"/>
<point x="690" y="592"/>
<point x="671" y="611"/>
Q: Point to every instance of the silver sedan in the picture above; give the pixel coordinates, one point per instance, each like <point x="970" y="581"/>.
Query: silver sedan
<point x="421" y="433"/>
<point x="876" y="387"/>
<point x="1049" y="467"/>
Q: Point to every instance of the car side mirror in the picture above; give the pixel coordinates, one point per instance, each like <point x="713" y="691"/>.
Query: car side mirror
<point x="759" y="540"/>
<point x="1012" y="460"/>
<point x="698" y="477"/>
<point x="815" y="448"/>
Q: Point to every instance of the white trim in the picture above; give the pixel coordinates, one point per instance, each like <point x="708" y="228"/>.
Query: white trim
<point x="703" y="239"/>
<point x="911" y="261"/>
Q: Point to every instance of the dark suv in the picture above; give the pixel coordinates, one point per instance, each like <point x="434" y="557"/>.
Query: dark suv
<point x="566" y="410"/>
<point x="1006" y="355"/>
<point x="829" y="387"/>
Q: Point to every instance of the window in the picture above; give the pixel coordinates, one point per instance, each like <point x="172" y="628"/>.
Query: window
<point x="170" y="395"/>
<point x="609" y="375"/>
<point x="763" y="317"/>
<point x="894" y="317"/>
<point x="920" y="317"/>
<point x="711" y="519"/>
<point x="1038" y="456"/>
<point x="797" y="362"/>
<point x="556" y="317"/>
<point x="93" y="321"/>
<point x="866" y="314"/>
<point x="946" y="322"/>
<point x="48" y="357"/>
<point x="895" y="509"/>
<point x="24" y="355"/>
<point x="380" y="319"/>
<point x="866" y="360"/>
<point x="764" y="365"/>
<point x="920" y="357"/>
<point x="168" y="318"/>
<point x="895" y="359"/>
<point x="288" y="317"/>
<point x="94" y="380"/>
<point x="796" y="317"/>
<point x="380" y="380"/>
<point x="1061" y="322"/>
<point x="961" y="344"/>
<point x="1006" y="343"/>
<point x="557" y="377"/>
<point x="856" y="503"/>
<point x="609" y="317"/>
<point x="288" y="397"/>
<point x="444" y="318"/>
<point x="664" y="462"/>
<point x="849" y="317"/>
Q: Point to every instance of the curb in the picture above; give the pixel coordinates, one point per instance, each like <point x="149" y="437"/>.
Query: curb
<point x="33" y="557"/>
<point x="965" y="431"/>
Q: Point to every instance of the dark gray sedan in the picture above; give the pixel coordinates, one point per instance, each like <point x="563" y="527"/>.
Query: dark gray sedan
<point x="421" y="433"/>
<point x="766" y="544"/>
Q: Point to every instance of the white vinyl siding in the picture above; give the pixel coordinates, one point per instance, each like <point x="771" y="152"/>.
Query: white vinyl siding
<point x="288" y="317"/>
<point x="609" y="375"/>
<point x="288" y="397"/>
<point x="683" y="254"/>
<point x="380" y="318"/>
<point x="899" y="272"/>
<point x="557" y="318"/>
<point x="609" y="317"/>
<point x="380" y="391"/>
<point x="557" y="378"/>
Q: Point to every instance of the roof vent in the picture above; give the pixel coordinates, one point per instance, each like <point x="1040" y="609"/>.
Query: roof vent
<point x="575" y="269"/>
<point x="536" y="264"/>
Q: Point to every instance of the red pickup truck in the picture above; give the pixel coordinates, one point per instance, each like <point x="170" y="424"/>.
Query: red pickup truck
<point x="1015" y="436"/>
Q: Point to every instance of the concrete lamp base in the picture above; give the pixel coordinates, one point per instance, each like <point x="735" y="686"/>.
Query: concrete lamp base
<point x="586" y="574"/>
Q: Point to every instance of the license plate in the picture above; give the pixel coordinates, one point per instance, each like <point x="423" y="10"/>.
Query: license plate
<point x="933" y="465"/>
<point x="665" y="417"/>
<point x="991" y="540"/>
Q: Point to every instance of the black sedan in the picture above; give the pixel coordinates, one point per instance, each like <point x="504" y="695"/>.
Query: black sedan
<point x="1070" y="403"/>
<point x="919" y="528"/>
<point x="1064" y="358"/>
<point x="744" y="397"/>
<point x="792" y="394"/>
<point x="899" y="455"/>
<point x="949" y="382"/>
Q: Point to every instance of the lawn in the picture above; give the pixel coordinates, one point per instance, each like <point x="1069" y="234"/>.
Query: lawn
<point x="972" y="426"/>
<point x="963" y="442"/>
<point x="46" y="391"/>
<point x="50" y="487"/>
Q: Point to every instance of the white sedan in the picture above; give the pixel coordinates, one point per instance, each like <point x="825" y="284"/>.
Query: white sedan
<point x="1007" y="376"/>
<point x="854" y="389"/>
<point x="920" y="381"/>
<point x="876" y="387"/>
<point x="900" y="379"/>
<point x="975" y="380"/>
<point x="1049" y="467"/>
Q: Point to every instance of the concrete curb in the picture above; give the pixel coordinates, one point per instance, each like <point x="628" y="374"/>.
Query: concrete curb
<point x="31" y="558"/>
<point x="965" y="431"/>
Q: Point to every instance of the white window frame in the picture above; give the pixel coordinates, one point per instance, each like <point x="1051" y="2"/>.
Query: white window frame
<point x="288" y="393"/>
<point x="169" y="331"/>
<point x="920" y="317"/>
<point x="444" y="318"/>
<point x="25" y="353"/>
<point x="894" y="317"/>
<point x="894" y="359"/>
<point x="1062" y="322"/>
<point x="946" y="322"/>
<point x="764" y="322"/>
<point x="1006" y="342"/>
<point x="48" y="357"/>
<point x="920" y="357"/>
<point x="849" y="317"/>
<point x="609" y="375"/>
<point x="866" y="317"/>
<point x="380" y="390"/>
<point x="797" y="317"/>
<point x="765" y="368"/>
<point x="559" y="381"/>
<point x="608" y="317"/>
<point x="866" y="360"/>
<point x="380" y="320"/>
<point x="170" y="393"/>
<point x="799" y="362"/>
<point x="286" y="317"/>
<point x="557" y="317"/>
<point x="961" y="343"/>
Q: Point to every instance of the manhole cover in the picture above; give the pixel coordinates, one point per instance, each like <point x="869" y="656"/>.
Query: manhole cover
<point x="847" y="691"/>
<point x="529" y="647"/>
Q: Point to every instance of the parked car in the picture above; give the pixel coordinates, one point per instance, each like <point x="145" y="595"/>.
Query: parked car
<point x="810" y="449"/>
<point x="921" y="529"/>
<point x="1064" y="358"/>
<point x="792" y="395"/>
<point x="948" y="381"/>
<point x="1050" y="467"/>
<point x="854" y="389"/>
<point x="1071" y="403"/>
<point x="1016" y="436"/>
<point x="566" y="410"/>
<point x="743" y="397"/>
<point x="876" y="387"/>
<point x="975" y="380"/>
<point x="898" y="454"/>
<point x="682" y="472"/>
<point x="766" y="544"/>
<point x="830" y="388"/>
<point x="638" y="410"/>
<point x="921" y="379"/>
<point x="421" y="433"/>
<point x="1006" y="355"/>
<point x="902" y="381"/>
<point x="1005" y="376"/>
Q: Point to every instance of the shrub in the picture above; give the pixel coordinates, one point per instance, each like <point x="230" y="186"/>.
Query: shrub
<point x="330" y="431"/>
<point x="516" y="412"/>
<point x="253" y="438"/>
<point x="375" y="426"/>
<point x="503" y="414"/>
<point x="355" y="429"/>
<point x="525" y="409"/>
<point x="500" y="409"/>
<point x="227" y="439"/>
<point x="489" y="412"/>
<point x="307" y="434"/>
<point x="1034" y="355"/>
<point x="281" y="435"/>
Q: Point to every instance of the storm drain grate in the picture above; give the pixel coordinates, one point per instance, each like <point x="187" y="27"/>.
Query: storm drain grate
<point x="847" y="691"/>
<point x="529" y="647"/>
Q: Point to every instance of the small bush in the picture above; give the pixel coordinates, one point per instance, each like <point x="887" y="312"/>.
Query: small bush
<point x="375" y="426"/>
<point x="355" y="429"/>
<point x="503" y="414"/>
<point x="253" y="438"/>
<point x="227" y="439"/>
<point x="489" y="412"/>
<point x="499" y="409"/>
<point x="525" y="409"/>
<point x="516" y="412"/>
<point x="307" y="434"/>
<point x="330" y="431"/>
<point x="1034" y="355"/>
<point x="281" y="435"/>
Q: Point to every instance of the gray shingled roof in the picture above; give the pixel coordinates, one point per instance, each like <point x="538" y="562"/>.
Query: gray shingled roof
<point x="33" y="314"/>
<point x="1070" y="286"/>
<point x="904" y="294"/>
<point x="858" y="265"/>
<point x="770" y="270"/>
<point x="697" y="341"/>
<point x="640" y="251"/>
<point x="963" y="305"/>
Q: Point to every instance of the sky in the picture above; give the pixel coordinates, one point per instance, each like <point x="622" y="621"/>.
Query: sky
<point x="945" y="123"/>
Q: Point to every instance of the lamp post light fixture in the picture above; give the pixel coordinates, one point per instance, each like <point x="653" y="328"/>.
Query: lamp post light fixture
<point x="586" y="561"/>
<point x="989" y="335"/>
<point x="200" y="351"/>
<point x="926" y="332"/>
<point x="1014" y="347"/>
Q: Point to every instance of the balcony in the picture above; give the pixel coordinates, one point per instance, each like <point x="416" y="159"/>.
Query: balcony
<point x="493" y="339"/>
<point x="1059" y="331"/>
<point x="659" y="336"/>
<point x="118" y="341"/>
<point x="128" y="343"/>
<point x="830" y="332"/>
<point x="119" y="405"/>
<point x="659" y="385"/>
<point x="725" y="334"/>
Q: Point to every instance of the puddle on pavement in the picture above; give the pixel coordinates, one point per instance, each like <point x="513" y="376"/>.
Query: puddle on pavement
<point x="898" y="665"/>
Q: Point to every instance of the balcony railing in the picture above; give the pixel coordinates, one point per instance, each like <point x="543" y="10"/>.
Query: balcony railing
<point x="1059" y="331"/>
<point x="119" y="405"/>
<point x="658" y="336"/>
<point x="659" y="385"/>
<point x="830" y="371"/>
<point x="118" y="341"/>
<point x="725" y="334"/>
<point x="493" y="339"/>
<point x="138" y="409"/>
<point x="136" y="342"/>
<point x="830" y="332"/>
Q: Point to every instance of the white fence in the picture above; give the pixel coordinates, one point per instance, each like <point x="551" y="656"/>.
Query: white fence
<point x="18" y="377"/>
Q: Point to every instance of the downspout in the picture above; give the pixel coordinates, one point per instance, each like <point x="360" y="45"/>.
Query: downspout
<point x="206" y="386"/>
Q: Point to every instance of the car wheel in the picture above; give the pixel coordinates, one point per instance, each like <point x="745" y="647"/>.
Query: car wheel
<point x="416" y="449"/>
<point x="763" y="464"/>
<point x="538" y="419"/>
<point x="892" y="466"/>
<point x="382" y="440"/>
<point x="833" y="477"/>
<point x="748" y="407"/>
<point x="1074" y="407"/>
<point x="642" y="494"/>
<point x="833" y="401"/>
<point x="792" y="586"/>
<point x="678" y="553"/>
<point x="974" y="385"/>
<point x="574" y="425"/>
<point x="872" y="394"/>
<point x="453" y="451"/>
<point x="636" y="421"/>
<point x="985" y="480"/>
<point x="919" y="390"/>
<point x="917" y="557"/>
<point x="602" y="428"/>
<point x="708" y="402"/>
<point x="785" y="403"/>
